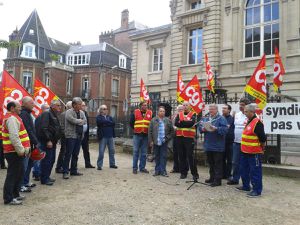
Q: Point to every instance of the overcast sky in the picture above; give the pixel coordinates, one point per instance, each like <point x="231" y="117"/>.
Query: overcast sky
<point x="74" y="20"/>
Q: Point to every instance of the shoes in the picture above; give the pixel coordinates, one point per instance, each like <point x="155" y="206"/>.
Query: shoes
<point x="52" y="180"/>
<point x="134" y="171"/>
<point x="14" y="202"/>
<point x="89" y="166"/>
<point x="36" y="178"/>
<point x="253" y="194"/>
<point x="99" y="168"/>
<point x="232" y="182"/>
<point x="144" y="171"/>
<point x="209" y="181"/>
<point x="65" y="176"/>
<point x="174" y="171"/>
<point x="156" y="174"/>
<point x="49" y="183"/>
<point x="183" y="176"/>
<point x="3" y="167"/>
<point x="195" y="178"/>
<point x="164" y="174"/>
<point x="76" y="174"/>
<point x="241" y="188"/>
<point x="25" y="189"/>
<point x="215" y="184"/>
<point x="30" y="185"/>
<point x="59" y="170"/>
<point x="113" y="167"/>
<point x="20" y="197"/>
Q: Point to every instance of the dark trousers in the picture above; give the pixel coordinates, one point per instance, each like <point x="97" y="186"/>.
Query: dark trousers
<point x="175" y="156"/>
<point x="160" y="153"/>
<point x="86" y="150"/>
<point x="14" y="177"/>
<point x="227" y="160"/>
<point x="2" y="158"/>
<point x="62" y="152"/>
<point x="215" y="161"/>
<point x="47" y="162"/>
<point x="72" y="152"/>
<point x="186" y="153"/>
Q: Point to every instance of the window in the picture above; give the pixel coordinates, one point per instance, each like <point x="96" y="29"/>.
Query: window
<point x="31" y="32"/>
<point x="47" y="79"/>
<point x="195" y="46"/>
<point x="27" y="81"/>
<point x="114" y="111"/>
<point x="28" y="50"/>
<point x="196" y="5"/>
<point x="115" y="88"/>
<point x="78" y="59"/>
<point x="85" y="87"/>
<point x="69" y="85"/>
<point x="157" y="59"/>
<point x="60" y="58"/>
<point x="261" y="27"/>
<point x="122" y="61"/>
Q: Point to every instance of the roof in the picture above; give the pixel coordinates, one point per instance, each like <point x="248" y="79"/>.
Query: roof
<point x="133" y="25"/>
<point x="153" y="30"/>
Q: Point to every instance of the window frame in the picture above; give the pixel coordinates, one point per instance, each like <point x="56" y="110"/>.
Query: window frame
<point x="122" y="61"/>
<point x="78" y="59"/>
<point x="197" y="46"/>
<point x="25" y="51"/>
<point x="261" y="25"/>
<point x="160" y="56"/>
<point x="115" y="93"/>
<point x="25" y="77"/>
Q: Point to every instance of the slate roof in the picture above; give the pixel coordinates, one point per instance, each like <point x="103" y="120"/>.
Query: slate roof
<point x="133" y="25"/>
<point x="153" y="30"/>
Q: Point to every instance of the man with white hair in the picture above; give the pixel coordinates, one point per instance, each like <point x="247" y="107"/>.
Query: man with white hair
<point x="50" y="133"/>
<point x="62" y="151"/>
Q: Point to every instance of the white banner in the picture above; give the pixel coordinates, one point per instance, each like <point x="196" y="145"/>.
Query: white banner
<point x="282" y="118"/>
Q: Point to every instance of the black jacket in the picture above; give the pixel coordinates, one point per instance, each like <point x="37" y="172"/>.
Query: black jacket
<point x="29" y="126"/>
<point x="49" y="127"/>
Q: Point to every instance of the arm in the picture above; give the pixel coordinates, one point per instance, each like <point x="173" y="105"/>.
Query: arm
<point x="13" y="127"/>
<point x="132" y="120"/>
<point x="26" y="118"/>
<point x="222" y="127"/>
<point x="185" y="124"/>
<point x="171" y="131"/>
<point x="73" y="120"/>
<point x="45" y="119"/>
<point x="150" y="132"/>
<point x="101" y="122"/>
<point x="260" y="132"/>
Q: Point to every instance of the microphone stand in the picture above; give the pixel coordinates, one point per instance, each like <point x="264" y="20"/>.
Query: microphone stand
<point x="195" y="181"/>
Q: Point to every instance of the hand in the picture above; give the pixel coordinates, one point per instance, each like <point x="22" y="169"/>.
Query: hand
<point x="214" y="128"/>
<point x="27" y="151"/>
<point x="49" y="144"/>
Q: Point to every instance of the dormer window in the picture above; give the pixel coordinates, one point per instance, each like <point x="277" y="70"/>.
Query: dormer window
<point x="31" y="32"/>
<point x="122" y="61"/>
<point x="78" y="59"/>
<point x="28" y="50"/>
<point x="196" y="4"/>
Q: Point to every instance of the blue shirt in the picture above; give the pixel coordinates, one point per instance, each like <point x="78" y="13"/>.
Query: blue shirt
<point x="161" y="133"/>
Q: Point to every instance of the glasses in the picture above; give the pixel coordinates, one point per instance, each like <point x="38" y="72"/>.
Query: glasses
<point x="103" y="109"/>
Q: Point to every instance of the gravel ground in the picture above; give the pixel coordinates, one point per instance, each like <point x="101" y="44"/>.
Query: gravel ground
<point x="119" y="197"/>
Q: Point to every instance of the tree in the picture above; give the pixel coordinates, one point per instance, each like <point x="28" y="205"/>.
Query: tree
<point x="7" y="44"/>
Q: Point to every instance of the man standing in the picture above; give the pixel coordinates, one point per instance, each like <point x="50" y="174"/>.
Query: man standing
<point x="85" y="140"/>
<point x="16" y="145"/>
<point x="214" y="128"/>
<point x="106" y="134"/>
<point x="75" y="119"/>
<point x="2" y="159"/>
<point x="185" y="141"/>
<point x="27" y="118"/>
<point x="227" y="160"/>
<point x="139" y="122"/>
<point x="252" y="147"/>
<point x="160" y="133"/>
<point x="240" y="121"/>
<point x="50" y="134"/>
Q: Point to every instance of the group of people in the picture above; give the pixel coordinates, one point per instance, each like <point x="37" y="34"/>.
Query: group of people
<point x="233" y="143"/>
<point x="22" y="136"/>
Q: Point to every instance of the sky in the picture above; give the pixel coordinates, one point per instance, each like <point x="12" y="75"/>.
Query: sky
<point x="74" y="20"/>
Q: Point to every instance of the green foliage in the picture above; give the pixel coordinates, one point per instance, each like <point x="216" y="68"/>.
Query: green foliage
<point x="9" y="44"/>
<point x="54" y="57"/>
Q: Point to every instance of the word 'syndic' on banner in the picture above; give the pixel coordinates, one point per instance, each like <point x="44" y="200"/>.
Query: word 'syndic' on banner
<point x="42" y="95"/>
<point x="192" y="94"/>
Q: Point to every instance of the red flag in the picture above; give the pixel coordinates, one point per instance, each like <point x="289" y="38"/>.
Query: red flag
<point x="12" y="90"/>
<point x="42" y="95"/>
<point x="256" y="86"/>
<point x="180" y="86"/>
<point x="210" y="82"/>
<point x="192" y="94"/>
<point x="144" y="96"/>
<point x="278" y="71"/>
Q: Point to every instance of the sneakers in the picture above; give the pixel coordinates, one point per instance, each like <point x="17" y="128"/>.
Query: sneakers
<point x="134" y="171"/>
<point x="52" y="180"/>
<point x="164" y="174"/>
<point x="65" y="176"/>
<point x="241" y="188"/>
<point x="253" y="194"/>
<point x="20" y="197"/>
<point x="144" y="171"/>
<point x="25" y="189"/>
<point x="30" y="185"/>
<point x="14" y="202"/>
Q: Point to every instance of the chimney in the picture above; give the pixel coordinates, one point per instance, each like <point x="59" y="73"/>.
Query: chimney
<point x="108" y="37"/>
<point x="125" y="19"/>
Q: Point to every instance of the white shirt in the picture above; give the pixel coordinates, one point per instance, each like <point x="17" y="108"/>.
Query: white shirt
<point x="240" y="121"/>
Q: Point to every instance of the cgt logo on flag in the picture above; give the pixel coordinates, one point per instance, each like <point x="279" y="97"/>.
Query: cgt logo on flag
<point x="279" y="71"/>
<point x="144" y="96"/>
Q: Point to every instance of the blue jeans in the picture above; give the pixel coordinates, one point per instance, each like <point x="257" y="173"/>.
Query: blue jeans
<point x="36" y="172"/>
<point x="72" y="152"/>
<point x="236" y="151"/>
<point x="140" y="144"/>
<point x="251" y="171"/>
<point x="28" y="164"/>
<point x="109" y="142"/>
<point x="160" y="153"/>
<point x="47" y="162"/>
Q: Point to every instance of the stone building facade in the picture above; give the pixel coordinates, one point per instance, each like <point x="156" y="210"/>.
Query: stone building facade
<point x="235" y="34"/>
